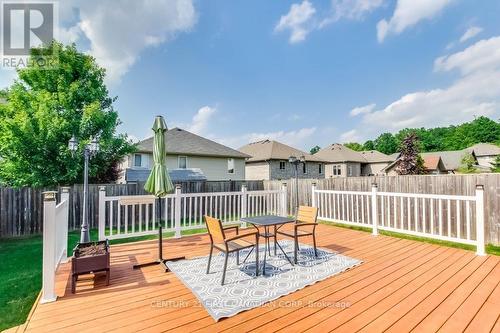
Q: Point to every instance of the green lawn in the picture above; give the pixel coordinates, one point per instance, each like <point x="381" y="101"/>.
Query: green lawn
<point x="21" y="272"/>
<point x="490" y="249"/>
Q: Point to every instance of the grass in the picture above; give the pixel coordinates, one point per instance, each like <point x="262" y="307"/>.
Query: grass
<point x="490" y="248"/>
<point x="21" y="277"/>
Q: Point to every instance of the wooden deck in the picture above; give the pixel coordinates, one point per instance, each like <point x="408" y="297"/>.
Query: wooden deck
<point x="401" y="286"/>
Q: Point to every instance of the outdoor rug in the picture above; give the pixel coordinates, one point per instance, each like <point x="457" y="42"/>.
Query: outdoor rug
<point x="242" y="291"/>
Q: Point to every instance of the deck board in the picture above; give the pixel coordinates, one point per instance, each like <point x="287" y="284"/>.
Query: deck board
<point x="402" y="285"/>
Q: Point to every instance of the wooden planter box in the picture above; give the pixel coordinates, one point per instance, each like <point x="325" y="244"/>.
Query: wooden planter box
<point x="83" y="263"/>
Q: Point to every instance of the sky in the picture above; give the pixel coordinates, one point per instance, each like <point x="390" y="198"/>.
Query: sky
<point x="304" y="73"/>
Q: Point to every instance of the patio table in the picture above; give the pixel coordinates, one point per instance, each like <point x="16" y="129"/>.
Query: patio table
<point x="268" y="221"/>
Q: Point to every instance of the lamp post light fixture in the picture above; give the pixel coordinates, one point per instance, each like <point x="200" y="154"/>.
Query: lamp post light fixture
<point x="90" y="150"/>
<point x="296" y="161"/>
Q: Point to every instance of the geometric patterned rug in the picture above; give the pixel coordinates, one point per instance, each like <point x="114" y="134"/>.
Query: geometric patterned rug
<point x="242" y="290"/>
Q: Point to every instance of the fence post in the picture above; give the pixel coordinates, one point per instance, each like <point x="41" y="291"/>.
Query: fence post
<point x="284" y="200"/>
<point x="243" y="207"/>
<point x="65" y="198"/>
<point x="102" y="213"/>
<point x="313" y="192"/>
<point x="374" y="209"/>
<point x="480" y="249"/>
<point x="49" y="243"/>
<point x="178" y="191"/>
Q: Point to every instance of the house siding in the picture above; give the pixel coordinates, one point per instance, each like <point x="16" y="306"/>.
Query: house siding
<point x="373" y="168"/>
<point x="270" y="170"/>
<point x="214" y="168"/>
<point x="344" y="169"/>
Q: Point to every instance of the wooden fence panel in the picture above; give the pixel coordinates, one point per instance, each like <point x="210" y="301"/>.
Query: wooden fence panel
<point x="21" y="209"/>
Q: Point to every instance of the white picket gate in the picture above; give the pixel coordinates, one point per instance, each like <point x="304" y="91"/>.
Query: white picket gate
<point x="130" y="216"/>
<point x="455" y="218"/>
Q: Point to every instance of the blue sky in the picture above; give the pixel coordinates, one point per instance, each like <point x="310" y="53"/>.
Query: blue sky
<point x="302" y="72"/>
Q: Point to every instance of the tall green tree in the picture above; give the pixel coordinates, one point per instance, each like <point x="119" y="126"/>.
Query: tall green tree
<point x="354" y="146"/>
<point x="410" y="162"/>
<point x="386" y="143"/>
<point x="369" y="145"/>
<point x="44" y="108"/>
<point x="314" y="150"/>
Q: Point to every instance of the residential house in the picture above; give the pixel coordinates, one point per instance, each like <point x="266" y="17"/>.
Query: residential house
<point x="345" y="162"/>
<point x="269" y="161"/>
<point x="433" y="165"/>
<point x="485" y="154"/>
<point x="189" y="157"/>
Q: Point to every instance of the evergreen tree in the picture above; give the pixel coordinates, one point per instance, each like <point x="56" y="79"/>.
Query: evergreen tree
<point x="410" y="162"/>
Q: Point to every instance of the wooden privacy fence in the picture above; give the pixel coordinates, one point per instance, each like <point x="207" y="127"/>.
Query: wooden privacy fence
<point x="455" y="218"/>
<point x="139" y="215"/>
<point x="462" y="185"/>
<point x="21" y="208"/>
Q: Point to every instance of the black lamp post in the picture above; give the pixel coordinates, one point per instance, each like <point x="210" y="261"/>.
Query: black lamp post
<point x="296" y="161"/>
<point x="88" y="151"/>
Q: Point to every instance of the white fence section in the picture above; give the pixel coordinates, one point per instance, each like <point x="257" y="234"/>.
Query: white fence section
<point x="130" y="216"/>
<point x="454" y="218"/>
<point x="55" y="240"/>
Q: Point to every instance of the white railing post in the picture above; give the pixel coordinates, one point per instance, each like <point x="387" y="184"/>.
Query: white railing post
<point x="480" y="249"/>
<point x="313" y="195"/>
<point x="374" y="210"/>
<point x="284" y="200"/>
<point x="64" y="238"/>
<point x="102" y="213"/>
<point x="177" y="199"/>
<point x="244" y="196"/>
<point x="49" y="243"/>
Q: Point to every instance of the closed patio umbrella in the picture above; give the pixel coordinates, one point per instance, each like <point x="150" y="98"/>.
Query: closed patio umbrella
<point x="159" y="183"/>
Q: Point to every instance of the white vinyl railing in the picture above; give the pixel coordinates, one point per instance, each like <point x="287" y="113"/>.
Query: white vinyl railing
<point x="455" y="218"/>
<point x="55" y="240"/>
<point x="130" y="216"/>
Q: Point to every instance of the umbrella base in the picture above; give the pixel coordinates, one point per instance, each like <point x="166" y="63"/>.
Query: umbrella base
<point x="158" y="262"/>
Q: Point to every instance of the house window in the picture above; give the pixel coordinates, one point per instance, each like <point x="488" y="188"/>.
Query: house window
<point x="304" y="168"/>
<point x="282" y="165"/>
<point x="349" y="170"/>
<point x="320" y="168"/>
<point x="336" y="170"/>
<point x="230" y="165"/>
<point x="138" y="160"/>
<point x="183" y="162"/>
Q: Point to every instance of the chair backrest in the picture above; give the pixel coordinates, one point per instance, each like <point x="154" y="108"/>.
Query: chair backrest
<point x="307" y="214"/>
<point x="215" y="230"/>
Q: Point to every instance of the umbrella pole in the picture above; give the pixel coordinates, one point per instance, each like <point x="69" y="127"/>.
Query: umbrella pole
<point x="160" y="259"/>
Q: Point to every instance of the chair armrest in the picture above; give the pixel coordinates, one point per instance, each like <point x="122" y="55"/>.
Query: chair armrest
<point x="255" y="233"/>
<point x="298" y="225"/>
<point x="232" y="227"/>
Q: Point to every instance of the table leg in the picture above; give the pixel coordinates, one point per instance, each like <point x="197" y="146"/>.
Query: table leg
<point x="265" y="252"/>
<point x="290" y="261"/>
<point x="275" y="240"/>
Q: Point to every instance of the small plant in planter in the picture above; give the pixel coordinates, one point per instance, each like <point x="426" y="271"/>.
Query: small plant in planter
<point x="89" y="258"/>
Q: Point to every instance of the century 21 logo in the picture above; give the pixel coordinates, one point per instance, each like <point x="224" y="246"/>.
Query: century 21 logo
<point x="25" y="25"/>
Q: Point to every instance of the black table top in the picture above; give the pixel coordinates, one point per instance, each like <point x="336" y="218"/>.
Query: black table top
<point x="268" y="220"/>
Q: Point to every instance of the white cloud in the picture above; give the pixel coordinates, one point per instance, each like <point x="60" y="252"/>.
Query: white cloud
<point x="201" y="120"/>
<point x="483" y="55"/>
<point x="470" y="33"/>
<point x="350" y="136"/>
<point x="475" y="93"/>
<point x="362" y="109"/>
<point x="350" y="9"/>
<point x="409" y="13"/>
<point x="298" y="20"/>
<point x="118" y="31"/>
